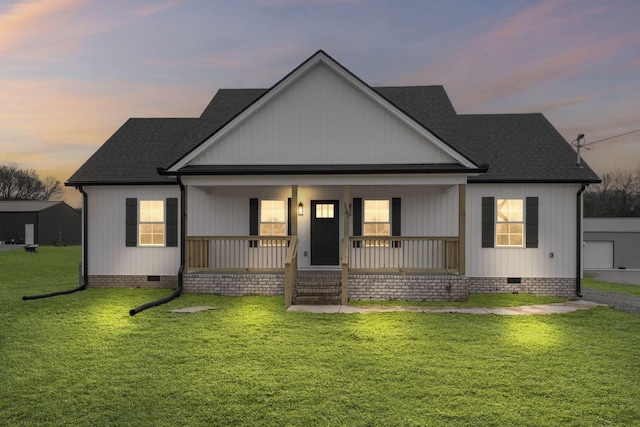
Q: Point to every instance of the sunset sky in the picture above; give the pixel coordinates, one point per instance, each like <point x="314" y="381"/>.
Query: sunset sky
<point x="73" y="71"/>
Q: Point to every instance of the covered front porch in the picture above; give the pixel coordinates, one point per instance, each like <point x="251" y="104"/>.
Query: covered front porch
<point x="327" y="229"/>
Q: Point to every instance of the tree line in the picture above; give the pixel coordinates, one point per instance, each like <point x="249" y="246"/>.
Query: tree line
<point x="617" y="195"/>
<point x="25" y="184"/>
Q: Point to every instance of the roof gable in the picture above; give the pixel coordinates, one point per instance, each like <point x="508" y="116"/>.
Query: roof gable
<point x="330" y="117"/>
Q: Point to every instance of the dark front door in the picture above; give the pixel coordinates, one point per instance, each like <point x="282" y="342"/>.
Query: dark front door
<point x="325" y="232"/>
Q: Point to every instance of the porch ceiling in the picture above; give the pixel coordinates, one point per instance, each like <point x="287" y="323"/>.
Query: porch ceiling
<point x="323" y="169"/>
<point x="424" y="188"/>
<point x="369" y="180"/>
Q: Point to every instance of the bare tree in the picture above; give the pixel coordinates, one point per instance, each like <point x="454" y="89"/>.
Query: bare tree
<point x="24" y="184"/>
<point x="617" y="195"/>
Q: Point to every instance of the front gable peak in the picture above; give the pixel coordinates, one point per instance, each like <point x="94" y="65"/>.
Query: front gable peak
<point x="321" y="113"/>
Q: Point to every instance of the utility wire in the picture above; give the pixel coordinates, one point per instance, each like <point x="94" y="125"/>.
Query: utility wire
<point x="615" y="136"/>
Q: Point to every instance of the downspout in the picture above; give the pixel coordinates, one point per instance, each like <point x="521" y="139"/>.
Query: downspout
<point x="579" y="239"/>
<point x="178" y="290"/>
<point x="85" y="252"/>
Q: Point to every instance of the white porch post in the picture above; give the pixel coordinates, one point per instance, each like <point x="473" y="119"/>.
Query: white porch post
<point x="462" y="226"/>
<point x="294" y="208"/>
<point x="291" y="263"/>
<point x="344" y="299"/>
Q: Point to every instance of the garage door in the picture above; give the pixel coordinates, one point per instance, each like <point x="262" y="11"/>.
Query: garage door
<point x="598" y="255"/>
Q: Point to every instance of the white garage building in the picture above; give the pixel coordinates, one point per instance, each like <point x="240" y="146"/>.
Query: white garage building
<point x="611" y="243"/>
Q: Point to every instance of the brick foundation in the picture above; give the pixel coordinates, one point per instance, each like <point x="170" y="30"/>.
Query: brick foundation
<point x="234" y="284"/>
<point x="560" y="287"/>
<point x="408" y="287"/>
<point x="411" y="287"/>
<point x="361" y="286"/>
<point x="132" y="281"/>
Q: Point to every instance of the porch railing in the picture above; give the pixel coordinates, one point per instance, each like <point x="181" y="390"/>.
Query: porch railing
<point x="270" y="253"/>
<point x="237" y="253"/>
<point x="404" y="254"/>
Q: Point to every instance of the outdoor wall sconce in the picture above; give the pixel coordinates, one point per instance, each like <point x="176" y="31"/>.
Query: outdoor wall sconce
<point x="300" y="209"/>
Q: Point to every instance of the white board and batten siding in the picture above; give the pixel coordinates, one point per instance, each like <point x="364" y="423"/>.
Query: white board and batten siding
<point x="556" y="225"/>
<point x="108" y="254"/>
<point x="321" y="118"/>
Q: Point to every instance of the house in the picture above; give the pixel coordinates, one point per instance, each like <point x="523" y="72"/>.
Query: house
<point x="611" y="243"/>
<point x="325" y="189"/>
<point x="31" y="222"/>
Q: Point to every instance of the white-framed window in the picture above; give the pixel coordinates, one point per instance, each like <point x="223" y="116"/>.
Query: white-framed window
<point x="273" y="221"/>
<point x="325" y="211"/>
<point x="509" y="223"/>
<point x="151" y="224"/>
<point x="376" y="221"/>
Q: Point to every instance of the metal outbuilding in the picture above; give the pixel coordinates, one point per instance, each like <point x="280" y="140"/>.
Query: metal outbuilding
<point x="31" y="222"/>
<point x="611" y="243"/>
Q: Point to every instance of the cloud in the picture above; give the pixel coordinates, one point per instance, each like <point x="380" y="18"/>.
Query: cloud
<point x="543" y="43"/>
<point x="23" y="21"/>
<point x="561" y="103"/>
<point x="277" y="3"/>
<point x="159" y="7"/>
<point x="261" y="67"/>
<point x="63" y="122"/>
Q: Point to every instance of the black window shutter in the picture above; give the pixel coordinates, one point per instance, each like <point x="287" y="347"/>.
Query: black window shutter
<point x="488" y="222"/>
<point x="131" y="219"/>
<point x="172" y="222"/>
<point x="396" y="220"/>
<point x="356" y="215"/>
<point x="356" y="211"/>
<point x="396" y="217"/>
<point x="253" y="221"/>
<point x="531" y="222"/>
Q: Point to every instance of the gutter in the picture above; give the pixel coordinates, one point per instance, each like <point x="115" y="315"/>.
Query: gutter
<point x="85" y="253"/>
<point x="579" y="239"/>
<point x="176" y="293"/>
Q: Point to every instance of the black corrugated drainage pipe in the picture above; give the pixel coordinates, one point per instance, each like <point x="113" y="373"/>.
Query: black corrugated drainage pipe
<point x="175" y="294"/>
<point x="579" y="239"/>
<point x="178" y="290"/>
<point x="85" y="251"/>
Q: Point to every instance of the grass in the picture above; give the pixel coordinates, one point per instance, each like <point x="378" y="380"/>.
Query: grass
<point x="80" y="359"/>
<point x="589" y="282"/>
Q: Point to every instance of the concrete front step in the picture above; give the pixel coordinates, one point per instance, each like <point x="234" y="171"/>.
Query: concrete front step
<point x="316" y="300"/>
<point x="317" y="289"/>
<point x="312" y="290"/>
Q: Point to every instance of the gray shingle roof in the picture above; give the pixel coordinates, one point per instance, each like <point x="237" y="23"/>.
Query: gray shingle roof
<point x="134" y="152"/>
<point x="26" y="205"/>
<point x="516" y="147"/>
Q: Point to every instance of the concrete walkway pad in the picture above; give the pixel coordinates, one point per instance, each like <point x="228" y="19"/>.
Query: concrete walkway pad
<point x="525" y="310"/>
<point x="192" y="309"/>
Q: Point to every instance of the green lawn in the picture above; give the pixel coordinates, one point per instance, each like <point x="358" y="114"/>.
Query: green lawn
<point x="81" y="360"/>
<point x="589" y="282"/>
